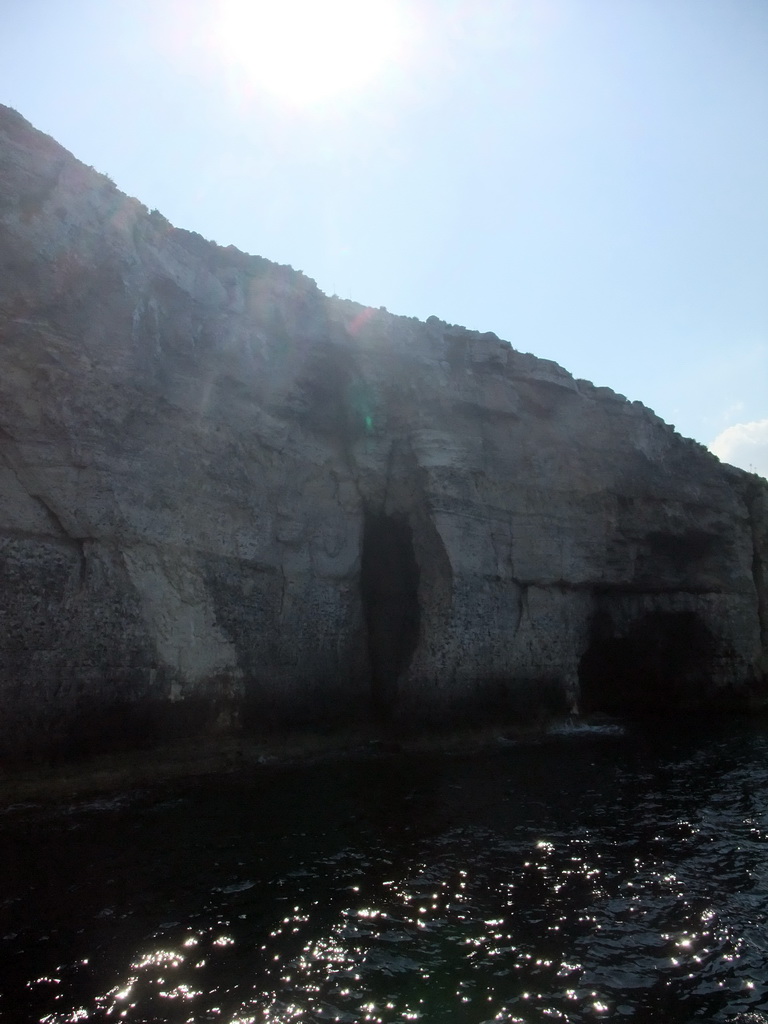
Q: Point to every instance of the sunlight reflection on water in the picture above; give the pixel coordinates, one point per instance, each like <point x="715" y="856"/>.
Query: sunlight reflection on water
<point x="574" y="881"/>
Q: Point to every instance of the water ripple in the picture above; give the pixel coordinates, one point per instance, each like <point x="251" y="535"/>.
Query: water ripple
<point x="589" y="878"/>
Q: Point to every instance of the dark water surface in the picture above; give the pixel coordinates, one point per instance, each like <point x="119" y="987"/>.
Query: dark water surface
<point x="583" y="877"/>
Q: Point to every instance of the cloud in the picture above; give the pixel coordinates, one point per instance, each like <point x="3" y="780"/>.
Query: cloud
<point x="744" y="445"/>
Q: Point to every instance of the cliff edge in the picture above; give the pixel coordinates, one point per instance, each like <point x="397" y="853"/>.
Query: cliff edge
<point x="228" y="502"/>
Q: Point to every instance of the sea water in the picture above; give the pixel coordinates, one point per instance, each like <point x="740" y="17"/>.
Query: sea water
<point x="594" y="874"/>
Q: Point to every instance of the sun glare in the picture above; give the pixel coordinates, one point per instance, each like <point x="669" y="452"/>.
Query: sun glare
<point x="310" y="51"/>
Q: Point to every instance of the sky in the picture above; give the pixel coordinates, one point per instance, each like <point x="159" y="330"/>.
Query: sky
<point x="586" y="178"/>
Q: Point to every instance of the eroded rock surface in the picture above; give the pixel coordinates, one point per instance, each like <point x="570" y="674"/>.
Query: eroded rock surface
<point x="229" y="502"/>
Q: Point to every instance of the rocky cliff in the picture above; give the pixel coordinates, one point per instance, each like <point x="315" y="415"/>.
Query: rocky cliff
<point x="230" y="502"/>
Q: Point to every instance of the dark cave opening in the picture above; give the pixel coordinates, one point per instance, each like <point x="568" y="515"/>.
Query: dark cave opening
<point x="663" y="661"/>
<point x="389" y="583"/>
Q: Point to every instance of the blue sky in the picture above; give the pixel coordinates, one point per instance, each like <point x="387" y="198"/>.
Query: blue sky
<point x="586" y="178"/>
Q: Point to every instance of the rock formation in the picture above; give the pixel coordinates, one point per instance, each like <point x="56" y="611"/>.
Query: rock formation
<point x="230" y="502"/>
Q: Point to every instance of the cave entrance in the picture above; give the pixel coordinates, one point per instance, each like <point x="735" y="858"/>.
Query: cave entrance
<point x="389" y="583"/>
<point x="664" y="661"/>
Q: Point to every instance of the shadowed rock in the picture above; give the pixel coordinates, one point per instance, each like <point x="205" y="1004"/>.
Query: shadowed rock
<point x="228" y="502"/>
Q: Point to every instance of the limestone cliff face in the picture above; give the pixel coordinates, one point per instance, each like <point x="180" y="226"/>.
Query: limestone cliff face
<point x="227" y="501"/>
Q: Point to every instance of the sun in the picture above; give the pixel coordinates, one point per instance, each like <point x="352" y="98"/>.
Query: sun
<point x="308" y="52"/>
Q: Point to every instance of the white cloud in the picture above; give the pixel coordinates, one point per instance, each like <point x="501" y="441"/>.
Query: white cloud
<point x="744" y="445"/>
